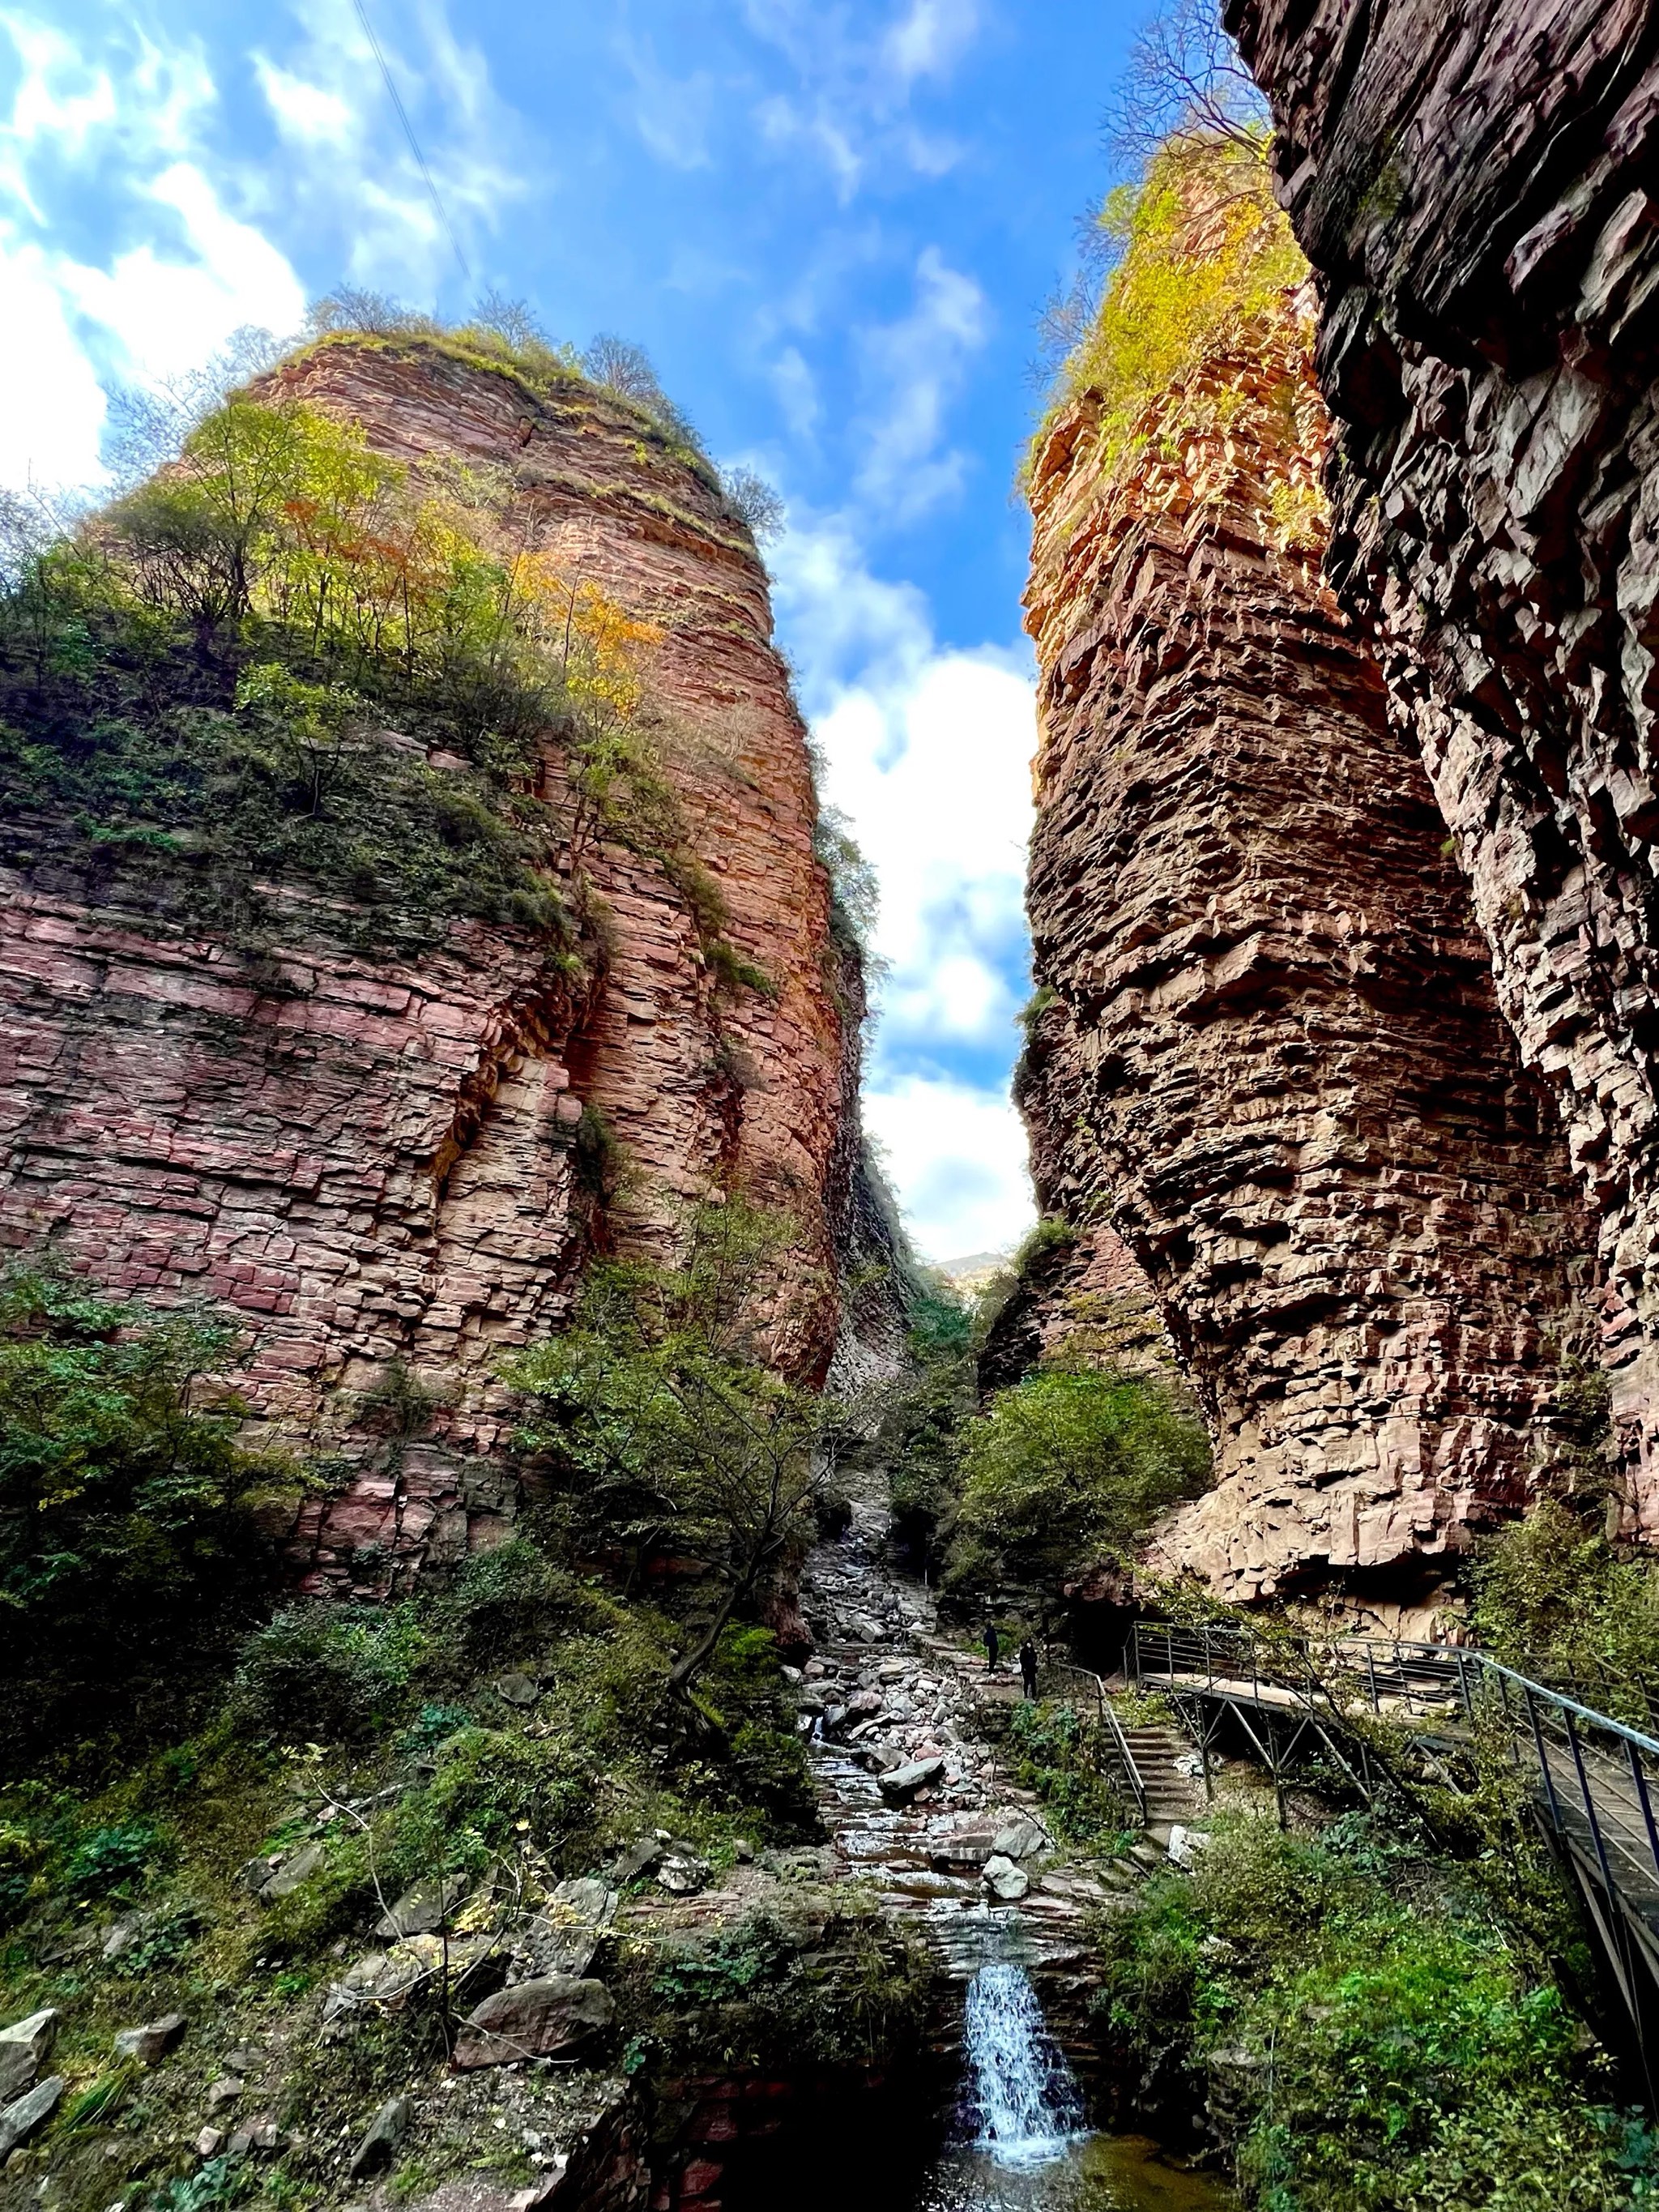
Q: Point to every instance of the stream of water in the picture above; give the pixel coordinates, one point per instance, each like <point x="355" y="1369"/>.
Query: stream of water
<point x="1020" y="2140"/>
<point x="1021" y="2143"/>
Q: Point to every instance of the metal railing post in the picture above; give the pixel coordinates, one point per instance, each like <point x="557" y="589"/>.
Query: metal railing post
<point x="1643" y="1799"/>
<point x="1584" y="1792"/>
<point x="1552" y="1800"/>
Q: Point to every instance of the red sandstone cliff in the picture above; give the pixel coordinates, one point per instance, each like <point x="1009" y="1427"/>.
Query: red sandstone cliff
<point x="383" y="1159"/>
<point x="1474" y="186"/>
<point x="1272" y="1061"/>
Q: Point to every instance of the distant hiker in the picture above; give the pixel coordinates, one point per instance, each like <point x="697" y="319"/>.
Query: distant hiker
<point x="1028" y="1669"/>
<point x="992" y="1645"/>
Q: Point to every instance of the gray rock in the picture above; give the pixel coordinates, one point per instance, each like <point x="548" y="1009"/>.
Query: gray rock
<point x="123" y="1935"/>
<point x="385" y="2132"/>
<point x="420" y="1909"/>
<point x="24" y="2049"/>
<point x="151" y="2042"/>
<point x="209" y="2141"/>
<point x="1186" y="1843"/>
<point x="22" y="2117"/>
<point x="590" y="1898"/>
<point x="638" y="1859"/>
<point x="901" y="1784"/>
<point x="1019" y="1838"/>
<point x="682" y="1874"/>
<point x="1003" y="1880"/>
<point x="294" y="1871"/>
<point x="225" y="2091"/>
<point x="553" y="2017"/>
<point x="516" y="1690"/>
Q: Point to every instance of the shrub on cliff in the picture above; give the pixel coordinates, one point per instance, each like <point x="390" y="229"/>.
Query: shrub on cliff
<point x="667" y="1421"/>
<point x="1554" y="1599"/>
<point x="131" y="1548"/>
<point x="1362" y="2037"/>
<point x="1203" y="258"/>
<point x="1067" y="1469"/>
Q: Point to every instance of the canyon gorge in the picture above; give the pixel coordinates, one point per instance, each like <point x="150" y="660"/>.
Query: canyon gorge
<point x="550" y="1664"/>
<point x="1341" y="884"/>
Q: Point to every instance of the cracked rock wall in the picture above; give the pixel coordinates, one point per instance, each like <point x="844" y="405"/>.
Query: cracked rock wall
<point x="376" y="1160"/>
<point x="1272" y="1060"/>
<point x="1474" y="186"/>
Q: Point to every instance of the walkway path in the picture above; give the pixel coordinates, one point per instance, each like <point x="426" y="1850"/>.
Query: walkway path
<point x="893" y="1694"/>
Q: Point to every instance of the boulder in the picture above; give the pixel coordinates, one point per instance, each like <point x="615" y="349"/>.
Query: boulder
<point x="385" y="2132"/>
<point x="639" y="1858"/>
<point x="20" y="2119"/>
<point x="553" y="2017"/>
<point x="420" y="1909"/>
<point x="227" y="2089"/>
<point x="589" y="1898"/>
<point x="151" y="2042"/>
<point x="516" y="1690"/>
<point x="295" y="1869"/>
<point x="208" y="2142"/>
<point x="1185" y="1845"/>
<point x="681" y="1872"/>
<point x="389" y="1979"/>
<point x="25" y="2047"/>
<point x="901" y="1784"/>
<point x="1003" y="1880"/>
<point x="1019" y="1837"/>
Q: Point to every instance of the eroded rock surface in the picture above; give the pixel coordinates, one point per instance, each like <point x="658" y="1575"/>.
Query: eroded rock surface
<point x="1474" y="186"/>
<point x="1272" y="1060"/>
<point x="394" y="1160"/>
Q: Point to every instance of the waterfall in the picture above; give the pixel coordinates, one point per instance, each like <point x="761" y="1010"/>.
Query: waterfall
<point x="1023" y="2103"/>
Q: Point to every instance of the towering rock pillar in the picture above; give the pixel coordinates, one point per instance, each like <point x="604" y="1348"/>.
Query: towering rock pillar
<point x="1474" y="186"/>
<point x="1268" y="1051"/>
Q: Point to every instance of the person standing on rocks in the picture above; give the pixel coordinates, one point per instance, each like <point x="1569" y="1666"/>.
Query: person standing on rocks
<point x="1028" y="1669"/>
<point x="992" y="1645"/>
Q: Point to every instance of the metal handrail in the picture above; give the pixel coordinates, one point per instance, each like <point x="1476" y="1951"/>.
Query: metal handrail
<point x="1114" y="1728"/>
<point x="1594" y="1777"/>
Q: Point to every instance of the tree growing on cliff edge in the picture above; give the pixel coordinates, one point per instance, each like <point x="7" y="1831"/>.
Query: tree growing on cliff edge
<point x="669" y="1427"/>
<point x="132" y="1550"/>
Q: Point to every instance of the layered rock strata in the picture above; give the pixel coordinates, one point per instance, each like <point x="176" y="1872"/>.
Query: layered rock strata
<point x="1079" y="1298"/>
<point x="1268" y="1052"/>
<point x="378" y="1161"/>
<point x="1474" y="186"/>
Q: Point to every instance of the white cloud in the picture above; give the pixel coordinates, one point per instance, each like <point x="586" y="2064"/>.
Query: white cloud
<point x="850" y="106"/>
<point x="168" y="311"/>
<point x="911" y="370"/>
<point x="927" y="752"/>
<point x="51" y="409"/>
<point x="672" y="114"/>
<point x="193" y="256"/>
<point x="957" y="1156"/>
<point x="308" y="112"/>
<point x="157" y="307"/>
<point x="926" y="41"/>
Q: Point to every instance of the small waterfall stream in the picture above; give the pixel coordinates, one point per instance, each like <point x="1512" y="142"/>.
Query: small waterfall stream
<point x="1022" y="2101"/>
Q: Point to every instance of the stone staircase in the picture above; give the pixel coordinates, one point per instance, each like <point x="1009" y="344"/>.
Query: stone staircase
<point x="1159" y="1753"/>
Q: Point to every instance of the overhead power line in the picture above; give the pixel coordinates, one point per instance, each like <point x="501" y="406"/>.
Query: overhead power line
<point x="409" y="133"/>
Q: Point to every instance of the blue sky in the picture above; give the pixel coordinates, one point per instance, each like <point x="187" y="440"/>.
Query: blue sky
<point x="832" y="226"/>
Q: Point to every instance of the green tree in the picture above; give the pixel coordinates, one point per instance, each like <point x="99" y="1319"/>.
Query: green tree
<point x="666" y="1409"/>
<point x="131" y="1548"/>
<point x="1066" y="1468"/>
<point x="1553" y="1598"/>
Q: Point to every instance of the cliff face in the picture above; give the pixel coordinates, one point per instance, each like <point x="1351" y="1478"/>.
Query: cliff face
<point x="1272" y="1059"/>
<point x="1475" y="187"/>
<point x="380" y="1159"/>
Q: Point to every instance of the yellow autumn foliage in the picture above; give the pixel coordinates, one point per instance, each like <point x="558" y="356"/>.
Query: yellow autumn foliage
<point x="1205" y="259"/>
